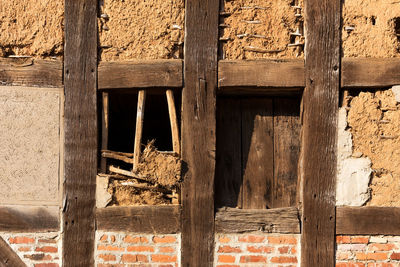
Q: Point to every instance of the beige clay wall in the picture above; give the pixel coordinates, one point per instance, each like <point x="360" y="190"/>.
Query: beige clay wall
<point x="137" y="29"/>
<point x="31" y="28"/>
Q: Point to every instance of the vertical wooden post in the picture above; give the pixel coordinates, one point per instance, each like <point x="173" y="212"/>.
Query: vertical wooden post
<point x="198" y="131"/>
<point x="139" y="128"/>
<point x="320" y="108"/>
<point x="80" y="75"/>
<point x="176" y="145"/>
<point x="104" y="129"/>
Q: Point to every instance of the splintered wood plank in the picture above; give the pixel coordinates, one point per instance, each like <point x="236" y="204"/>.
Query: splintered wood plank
<point x="228" y="177"/>
<point x="261" y="73"/>
<point x="198" y="131"/>
<point x="9" y="257"/>
<point x="142" y="74"/>
<point x="31" y="72"/>
<point x="320" y="109"/>
<point x="176" y="144"/>
<point x="257" y="153"/>
<point x="145" y="219"/>
<point x="80" y="80"/>
<point x="282" y="220"/>
<point x="29" y="219"/>
<point x="139" y="127"/>
<point x="104" y="130"/>
<point x="367" y="220"/>
<point x="286" y="151"/>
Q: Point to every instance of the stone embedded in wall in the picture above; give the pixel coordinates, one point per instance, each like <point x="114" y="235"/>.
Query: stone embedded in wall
<point x="30" y="145"/>
<point x="137" y="29"/>
<point x="31" y="28"/>
<point x="353" y="173"/>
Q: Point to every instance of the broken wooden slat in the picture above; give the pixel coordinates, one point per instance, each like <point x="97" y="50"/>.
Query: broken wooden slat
<point x="142" y="74"/>
<point x="319" y="131"/>
<point x="113" y="155"/>
<point x="104" y="130"/>
<point x="176" y="144"/>
<point x="81" y="132"/>
<point x="8" y="257"/>
<point x="139" y="128"/>
<point x="258" y="152"/>
<point x="370" y="72"/>
<point x="198" y="131"/>
<point x="29" y="219"/>
<point x="367" y="220"/>
<point x="281" y="220"/>
<point x="228" y="175"/>
<point x="286" y="152"/>
<point x="31" y="72"/>
<point x="260" y="73"/>
<point x="141" y="219"/>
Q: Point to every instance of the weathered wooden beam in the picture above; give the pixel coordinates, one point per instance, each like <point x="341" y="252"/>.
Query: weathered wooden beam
<point x="281" y="220"/>
<point x="198" y="131"/>
<point x="141" y="219"/>
<point x="31" y="72"/>
<point x="260" y="73"/>
<point x="8" y="257"/>
<point x="367" y="220"/>
<point x="320" y="109"/>
<point x="80" y="80"/>
<point x="370" y="72"/>
<point x="141" y="74"/>
<point x="29" y="219"/>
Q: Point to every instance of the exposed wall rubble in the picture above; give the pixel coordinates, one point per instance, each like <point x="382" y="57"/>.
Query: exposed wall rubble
<point x="373" y="120"/>
<point x="137" y="29"/>
<point x="371" y="28"/>
<point x="261" y="29"/>
<point x="31" y="28"/>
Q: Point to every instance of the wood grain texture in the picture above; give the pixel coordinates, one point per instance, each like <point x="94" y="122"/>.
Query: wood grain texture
<point x="31" y="72"/>
<point x="261" y="73"/>
<point x="176" y="144"/>
<point x="144" y="219"/>
<point x="370" y="72"/>
<point x="228" y="176"/>
<point x="281" y="220"/>
<point x="257" y="153"/>
<point x="286" y="152"/>
<point x="367" y="220"/>
<point x="9" y="258"/>
<point x="198" y="131"/>
<point x="141" y="103"/>
<point x="105" y="116"/>
<point x="320" y="109"/>
<point x="29" y="219"/>
<point x="142" y="74"/>
<point x="81" y="133"/>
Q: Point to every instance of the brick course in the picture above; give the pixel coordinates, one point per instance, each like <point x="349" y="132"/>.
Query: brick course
<point x="257" y="250"/>
<point x="120" y="249"/>
<point x="36" y="250"/>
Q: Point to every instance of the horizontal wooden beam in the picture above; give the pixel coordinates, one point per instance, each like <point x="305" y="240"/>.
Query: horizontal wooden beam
<point x="140" y="74"/>
<point x="31" y="72"/>
<point x="367" y="220"/>
<point x="260" y="73"/>
<point x="281" y="220"/>
<point x="141" y="219"/>
<point x="370" y="72"/>
<point x="29" y="219"/>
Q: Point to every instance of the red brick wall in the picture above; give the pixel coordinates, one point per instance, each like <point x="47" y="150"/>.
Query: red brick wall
<point x="261" y="249"/>
<point x="368" y="251"/>
<point x="125" y="249"/>
<point x="36" y="250"/>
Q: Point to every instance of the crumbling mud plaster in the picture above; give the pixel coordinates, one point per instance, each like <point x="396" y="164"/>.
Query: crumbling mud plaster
<point x="253" y="29"/>
<point x="374" y="122"/>
<point x="30" y="145"/>
<point x="31" y="28"/>
<point x="354" y="172"/>
<point x="138" y="29"/>
<point x="370" y="28"/>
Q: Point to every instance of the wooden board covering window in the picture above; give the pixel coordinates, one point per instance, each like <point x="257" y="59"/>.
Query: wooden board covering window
<point x="257" y="152"/>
